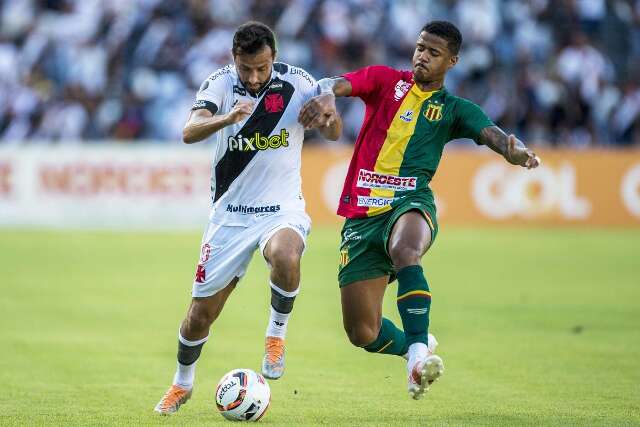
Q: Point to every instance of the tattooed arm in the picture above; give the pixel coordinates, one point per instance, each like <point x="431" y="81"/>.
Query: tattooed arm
<point x="510" y="147"/>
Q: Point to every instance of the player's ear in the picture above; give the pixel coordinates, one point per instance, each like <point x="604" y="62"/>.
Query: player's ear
<point x="453" y="60"/>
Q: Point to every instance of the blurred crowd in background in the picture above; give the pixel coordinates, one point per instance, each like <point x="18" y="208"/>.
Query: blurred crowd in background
<point x="563" y="72"/>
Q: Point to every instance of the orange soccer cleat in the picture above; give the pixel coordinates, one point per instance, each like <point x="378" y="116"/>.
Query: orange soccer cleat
<point x="173" y="399"/>
<point x="273" y="362"/>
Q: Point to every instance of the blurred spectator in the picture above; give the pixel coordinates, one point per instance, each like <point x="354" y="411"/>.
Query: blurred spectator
<point x="560" y="72"/>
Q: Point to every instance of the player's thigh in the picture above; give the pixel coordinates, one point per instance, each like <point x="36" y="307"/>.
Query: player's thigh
<point x="410" y="234"/>
<point x="362" y="305"/>
<point x="225" y="254"/>
<point x="284" y="246"/>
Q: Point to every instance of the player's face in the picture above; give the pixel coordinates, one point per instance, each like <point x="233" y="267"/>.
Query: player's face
<point x="254" y="69"/>
<point x="432" y="58"/>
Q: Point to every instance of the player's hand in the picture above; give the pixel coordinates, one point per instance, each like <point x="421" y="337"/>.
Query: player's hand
<point x="239" y="112"/>
<point x="319" y="111"/>
<point x="518" y="154"/>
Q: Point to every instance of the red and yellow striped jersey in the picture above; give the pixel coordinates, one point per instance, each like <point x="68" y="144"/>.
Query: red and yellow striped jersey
<point x="401" y="140"/>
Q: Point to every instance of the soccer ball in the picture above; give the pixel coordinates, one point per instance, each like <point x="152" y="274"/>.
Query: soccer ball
<point x="243" y="395"/>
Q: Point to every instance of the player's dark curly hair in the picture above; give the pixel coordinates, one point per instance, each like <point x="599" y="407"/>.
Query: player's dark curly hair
<point x="251" y="36"/>
<point x="447" y="31"/>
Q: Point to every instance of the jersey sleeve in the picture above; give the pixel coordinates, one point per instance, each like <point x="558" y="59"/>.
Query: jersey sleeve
<point x="469" y="121"/>
<point x="211" y="93"/>
<point x="306" y="84"/>
<point x="367" y="82"/>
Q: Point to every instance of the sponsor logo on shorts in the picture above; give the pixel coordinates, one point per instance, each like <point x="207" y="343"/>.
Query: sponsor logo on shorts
<point x="370" y="179"/>
<point x="300" y="228"/>
<point x="205" y="252"/>
<point x="375" y="202"/>
<point x="201" y="274"/>
<point x="251" y="210"/>
<point x="349" y="234"/>
<point x="344" y="257"/>
<point x="258" y="141"/>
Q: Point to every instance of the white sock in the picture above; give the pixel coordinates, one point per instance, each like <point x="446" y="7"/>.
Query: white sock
<point x="277" y="326"/>
<point x="417" y="351"/>
<point x="185" y="374"/>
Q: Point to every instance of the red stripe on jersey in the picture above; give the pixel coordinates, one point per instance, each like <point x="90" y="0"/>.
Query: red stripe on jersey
<point x="383" y="90"/>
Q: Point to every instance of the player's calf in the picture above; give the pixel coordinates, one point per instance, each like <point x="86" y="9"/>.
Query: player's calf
<point x="390" y="340"/>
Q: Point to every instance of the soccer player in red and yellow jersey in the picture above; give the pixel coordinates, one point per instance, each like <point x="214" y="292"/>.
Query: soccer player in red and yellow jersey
<point x="388" y="205"/>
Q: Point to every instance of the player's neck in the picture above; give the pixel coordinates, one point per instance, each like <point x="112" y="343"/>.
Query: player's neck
<point x="430" y="86"/>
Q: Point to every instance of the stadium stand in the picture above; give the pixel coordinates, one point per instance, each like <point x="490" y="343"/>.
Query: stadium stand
<point x="557" y="73"/>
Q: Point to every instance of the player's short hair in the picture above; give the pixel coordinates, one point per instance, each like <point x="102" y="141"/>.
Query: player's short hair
<point x="252" y="36"/>
<point x="447" y="31"/>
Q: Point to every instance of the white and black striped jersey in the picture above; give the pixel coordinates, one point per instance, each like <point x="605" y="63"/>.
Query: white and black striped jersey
<point x="256" y="163"/>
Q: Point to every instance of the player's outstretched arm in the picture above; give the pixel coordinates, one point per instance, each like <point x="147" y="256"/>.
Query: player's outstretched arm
<point x="202" y="123"/>
<point x="320" y="111"/>
<point x="511" y="148"/>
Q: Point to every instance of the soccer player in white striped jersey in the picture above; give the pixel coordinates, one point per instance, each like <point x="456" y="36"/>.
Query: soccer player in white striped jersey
<point x="251" y="106"/>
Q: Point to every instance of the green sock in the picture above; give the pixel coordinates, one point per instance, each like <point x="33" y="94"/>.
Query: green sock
<point x="414" y="303"/>
<point x="390" y="340"/>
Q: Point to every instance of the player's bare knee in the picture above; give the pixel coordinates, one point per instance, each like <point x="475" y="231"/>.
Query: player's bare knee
<point x="285" y="259"/>
<point x="361" y="335"/>
<point x="403" y="255"/>
<point x="286" y="266"/>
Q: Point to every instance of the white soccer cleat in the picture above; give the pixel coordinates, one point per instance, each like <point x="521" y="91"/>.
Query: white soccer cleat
<point x="425" y="372"/>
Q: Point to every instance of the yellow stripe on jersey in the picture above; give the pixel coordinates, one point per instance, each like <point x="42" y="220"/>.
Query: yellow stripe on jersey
<point x="398" y="135"/>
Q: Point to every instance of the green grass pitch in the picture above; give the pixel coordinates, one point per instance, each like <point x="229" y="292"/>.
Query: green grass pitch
<point x="536" y="327"/>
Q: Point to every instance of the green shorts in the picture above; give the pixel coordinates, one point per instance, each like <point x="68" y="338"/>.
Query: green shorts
<point x="363" y="249"/>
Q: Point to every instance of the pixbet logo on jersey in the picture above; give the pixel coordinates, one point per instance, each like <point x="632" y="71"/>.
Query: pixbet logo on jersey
<point x="259" y="142"/>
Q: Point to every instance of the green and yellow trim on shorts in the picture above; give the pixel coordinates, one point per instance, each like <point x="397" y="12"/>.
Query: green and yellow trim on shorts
<point x="363" y="248"/>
